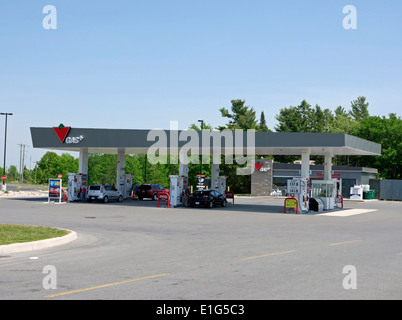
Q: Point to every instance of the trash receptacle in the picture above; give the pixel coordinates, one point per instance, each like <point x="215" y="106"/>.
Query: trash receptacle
<point x="313" y="204"/>
<point x="369" y="195"/>
<point x="316" y="205"/>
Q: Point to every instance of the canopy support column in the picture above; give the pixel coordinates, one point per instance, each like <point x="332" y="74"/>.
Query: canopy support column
<point x="83" y="161"/>
<point x="328" y="167"/>
<point x="214" y="175"/>
<point x="121" y="168"/>
<point x="305" y="165"/>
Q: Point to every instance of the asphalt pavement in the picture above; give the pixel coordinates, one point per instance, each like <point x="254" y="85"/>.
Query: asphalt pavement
<point x="249" y="250"/>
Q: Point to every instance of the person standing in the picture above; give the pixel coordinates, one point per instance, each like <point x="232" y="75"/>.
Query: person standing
<point x="186" y="197"/>
<point x="135" y="190"/>
<point x="83" y="194"/>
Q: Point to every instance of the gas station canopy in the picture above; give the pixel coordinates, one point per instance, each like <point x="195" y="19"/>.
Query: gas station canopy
<point x="122" y="142"/>
<point x="130" y="141"/>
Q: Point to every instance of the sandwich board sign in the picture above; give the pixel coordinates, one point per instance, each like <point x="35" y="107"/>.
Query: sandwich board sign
<point x="55" y="192"/>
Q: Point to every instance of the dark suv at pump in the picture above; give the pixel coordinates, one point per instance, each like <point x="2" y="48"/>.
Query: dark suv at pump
<point x="149" y="191"/>
<point x="207" y="198"/>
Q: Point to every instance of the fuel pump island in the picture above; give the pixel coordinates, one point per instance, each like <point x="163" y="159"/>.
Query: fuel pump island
<point x="179" y="184"/>
<point x="316" y="195"/>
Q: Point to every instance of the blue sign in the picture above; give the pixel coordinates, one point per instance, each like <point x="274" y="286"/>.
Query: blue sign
<point x="54" y="188"/>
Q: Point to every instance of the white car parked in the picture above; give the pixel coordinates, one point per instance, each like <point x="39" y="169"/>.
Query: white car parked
<point x="103" y="193"/>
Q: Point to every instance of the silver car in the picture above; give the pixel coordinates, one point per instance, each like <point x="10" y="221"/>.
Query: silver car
<point x="103" y="193"/>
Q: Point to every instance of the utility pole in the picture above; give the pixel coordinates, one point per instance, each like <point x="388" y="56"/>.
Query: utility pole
<point x="22" y="162"/>
<point x="202" y="127"/>
<point x="4" y="186"/>
<point x="19" y="168"/>
<point x="145" y="169"/>
<point x="36" y="170"/>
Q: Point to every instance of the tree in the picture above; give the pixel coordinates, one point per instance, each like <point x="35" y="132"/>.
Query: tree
<point x="295" y="119"/>
<point x="303" y="118"/>
<point x="12" y="174"/>
<point x="205" y="126"/>
<point x="359" y="109"/>
<point x="102" y="168"/>
<point x="51" y="165"/>
<point x="321" y="119"/>
<point x="242" y="116"/>
<point x="48" y="167"/>
<point x="158" y="173"/>
<point x="263" y="123"/>
<point x="342" y="122"/>
<point x="387" y="132"/>
<point x="68" y="164"/>
<point x="135" y="166"/>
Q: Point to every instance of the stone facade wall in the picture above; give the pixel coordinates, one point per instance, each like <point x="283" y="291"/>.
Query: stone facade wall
<point x="261" y="179"/>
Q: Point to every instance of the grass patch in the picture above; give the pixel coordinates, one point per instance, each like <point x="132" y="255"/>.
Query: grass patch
<point x="10" y="234"/>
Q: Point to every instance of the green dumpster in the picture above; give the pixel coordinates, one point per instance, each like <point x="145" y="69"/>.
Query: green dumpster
<point x="369" y="195"/>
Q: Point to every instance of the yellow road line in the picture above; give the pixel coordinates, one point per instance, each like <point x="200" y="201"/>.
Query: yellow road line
<point x="346" y="242"/>
<point x="268" y="255"/>
<point x="105" y="285"/>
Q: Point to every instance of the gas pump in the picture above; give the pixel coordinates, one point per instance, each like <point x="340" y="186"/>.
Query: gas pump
<point x="327" y="191"/>
<point x="338" y="187"/>
<point x="75" y="182"/>
<point x="126" y="185"/>
<point x="221" y="184"/>
<point x="176" y="189"/>
<point x="338" y="193"/>
<point x="299" y="188"/>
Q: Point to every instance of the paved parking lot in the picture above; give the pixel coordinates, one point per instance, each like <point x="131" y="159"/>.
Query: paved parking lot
<point x="249" y="250"/>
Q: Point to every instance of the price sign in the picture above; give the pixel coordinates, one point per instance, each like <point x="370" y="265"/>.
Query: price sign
<point x="200" y="182"/>
<point x="293" y="186"/>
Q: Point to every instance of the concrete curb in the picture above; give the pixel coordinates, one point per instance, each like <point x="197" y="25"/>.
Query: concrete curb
<point x="37" y="245"/>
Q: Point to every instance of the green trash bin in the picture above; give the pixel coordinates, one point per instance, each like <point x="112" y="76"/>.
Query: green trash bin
<point x="369" y="195"/>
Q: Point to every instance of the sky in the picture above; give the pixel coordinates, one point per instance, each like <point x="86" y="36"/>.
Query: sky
<point x="141" y="64"/>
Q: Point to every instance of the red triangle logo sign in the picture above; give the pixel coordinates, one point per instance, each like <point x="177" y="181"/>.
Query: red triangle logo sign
<point x="62" y="132"/>
<point x="258" y="166"/>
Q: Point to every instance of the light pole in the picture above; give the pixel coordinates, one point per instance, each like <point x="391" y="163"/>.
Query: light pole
<point x="202" y="127"/>
<point x="4" y="187"/>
